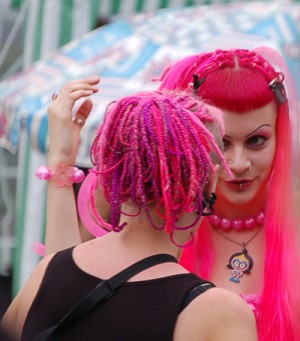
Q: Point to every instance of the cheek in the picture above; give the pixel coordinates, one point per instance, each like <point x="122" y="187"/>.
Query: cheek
<point x="264" y="161"/>
<point x="263" y="164"/>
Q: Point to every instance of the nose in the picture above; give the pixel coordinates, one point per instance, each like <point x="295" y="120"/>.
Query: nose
<point x="238" y="161"/>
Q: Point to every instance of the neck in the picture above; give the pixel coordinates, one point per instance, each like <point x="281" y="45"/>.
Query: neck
<point x="227" y="209"/>
<point x="229" y="216"/>
<point x="140" y="235"/>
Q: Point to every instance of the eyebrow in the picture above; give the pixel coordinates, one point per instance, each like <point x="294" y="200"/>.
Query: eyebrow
<point x="263" y="125"/>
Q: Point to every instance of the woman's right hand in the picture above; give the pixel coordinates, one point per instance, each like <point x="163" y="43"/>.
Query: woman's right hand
<point x="64" y="124"/>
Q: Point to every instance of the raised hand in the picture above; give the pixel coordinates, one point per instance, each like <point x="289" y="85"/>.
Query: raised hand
<point x="64" y="123"/>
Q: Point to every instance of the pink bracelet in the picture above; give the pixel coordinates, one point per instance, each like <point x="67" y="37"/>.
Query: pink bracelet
<point x="64" y="175"/>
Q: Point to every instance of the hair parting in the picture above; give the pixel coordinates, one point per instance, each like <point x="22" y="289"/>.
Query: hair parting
<point x="239" y="81"/>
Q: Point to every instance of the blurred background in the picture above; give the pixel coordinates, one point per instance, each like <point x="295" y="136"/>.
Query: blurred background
<point x="43" y="43"/>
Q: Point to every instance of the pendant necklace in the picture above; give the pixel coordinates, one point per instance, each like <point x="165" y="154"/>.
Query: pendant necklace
<point x="240" y="263"/>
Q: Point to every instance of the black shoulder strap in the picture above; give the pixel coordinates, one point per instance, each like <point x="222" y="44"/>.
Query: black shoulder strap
<point x="195" y="292"/>
<point x="102" y="291"/>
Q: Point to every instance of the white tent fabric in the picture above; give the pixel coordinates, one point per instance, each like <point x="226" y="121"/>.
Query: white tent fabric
<point x="51" y="23"/>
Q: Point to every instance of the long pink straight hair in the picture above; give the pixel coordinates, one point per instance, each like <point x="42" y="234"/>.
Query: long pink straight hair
<point x="238" y="80"/>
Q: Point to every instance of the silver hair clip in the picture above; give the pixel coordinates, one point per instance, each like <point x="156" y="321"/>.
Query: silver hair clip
<point x="196" y="83"/>
<point x="277" y="87"/>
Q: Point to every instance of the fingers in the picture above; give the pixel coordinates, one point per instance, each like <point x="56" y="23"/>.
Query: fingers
<point x="83" y="112"/>
<point x="63" y="103"/>
<point x="77" y="89"/>
<point x="64" y="124"/>
<point x="91" y="80"/>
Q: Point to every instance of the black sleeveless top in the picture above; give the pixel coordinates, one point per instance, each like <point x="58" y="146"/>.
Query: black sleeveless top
<point x="140" y="310"/>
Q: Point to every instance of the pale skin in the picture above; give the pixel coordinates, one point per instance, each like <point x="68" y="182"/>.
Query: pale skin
<point x="250" y="140"/>
<point x="64" y="139"/>
<point x="204" y="319"/>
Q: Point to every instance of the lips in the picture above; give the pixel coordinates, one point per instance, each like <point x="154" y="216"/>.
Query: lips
<point x="239" y="185"/>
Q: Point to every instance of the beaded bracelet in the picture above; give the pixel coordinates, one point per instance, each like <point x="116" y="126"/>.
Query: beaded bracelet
<point x="64" y="175"/>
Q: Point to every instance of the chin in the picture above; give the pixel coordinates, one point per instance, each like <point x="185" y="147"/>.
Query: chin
<point x="241" y="201"/>
<point x="237" y="198"/>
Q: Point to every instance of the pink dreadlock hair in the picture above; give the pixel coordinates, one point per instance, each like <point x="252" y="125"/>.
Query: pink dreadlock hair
<point x="156" y="147"/>
<point x="239" y="81"/>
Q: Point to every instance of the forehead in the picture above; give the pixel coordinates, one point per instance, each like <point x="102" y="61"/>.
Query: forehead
<point x="245" y="123"/>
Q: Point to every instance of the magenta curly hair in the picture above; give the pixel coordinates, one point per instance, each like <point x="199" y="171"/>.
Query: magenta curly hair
<point x="240" y="81"/>
<point x="156" y="147"/>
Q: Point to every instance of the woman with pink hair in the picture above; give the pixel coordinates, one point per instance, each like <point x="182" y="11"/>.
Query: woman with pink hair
<point x="250" y="244"/>
<point x="155" y="158"/>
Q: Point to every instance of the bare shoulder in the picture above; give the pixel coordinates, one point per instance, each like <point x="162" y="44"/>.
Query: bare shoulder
<point x="16" y="313"/>
<point x="217" y="314"/>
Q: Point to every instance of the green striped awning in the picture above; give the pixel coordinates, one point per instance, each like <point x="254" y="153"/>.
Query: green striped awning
<point x="113" y="7"/>
<point x="53" y="23"/>
<point x="72" y="18"/>
<point x="117" y="6"/>
<point x="50" y="24"/>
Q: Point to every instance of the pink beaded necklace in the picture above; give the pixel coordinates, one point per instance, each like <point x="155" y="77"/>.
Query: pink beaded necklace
<point x="238" y="224"/>
<point x="239" y="263"/>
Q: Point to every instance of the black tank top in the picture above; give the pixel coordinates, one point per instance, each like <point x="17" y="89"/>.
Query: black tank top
<point x="140" y="310"/>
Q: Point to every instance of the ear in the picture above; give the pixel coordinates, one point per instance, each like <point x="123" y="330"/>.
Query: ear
<point x="213" y="179"/>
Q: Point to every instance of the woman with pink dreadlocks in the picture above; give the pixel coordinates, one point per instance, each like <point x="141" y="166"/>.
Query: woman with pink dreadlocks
<point x="155" y="158"/>
<point x="250" y="245"/>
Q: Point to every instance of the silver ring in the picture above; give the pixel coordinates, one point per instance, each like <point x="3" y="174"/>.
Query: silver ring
<point x="54" y="96"/>
<point x="78" y="120"/>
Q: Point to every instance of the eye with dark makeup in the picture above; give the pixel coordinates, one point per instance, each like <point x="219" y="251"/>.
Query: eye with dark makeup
<point x="257" y="141"/>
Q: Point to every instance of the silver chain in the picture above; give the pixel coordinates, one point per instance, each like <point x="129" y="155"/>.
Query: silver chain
<point x="243" y="244"/>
